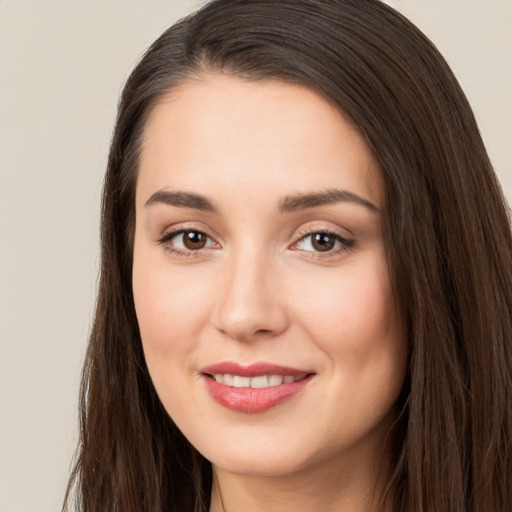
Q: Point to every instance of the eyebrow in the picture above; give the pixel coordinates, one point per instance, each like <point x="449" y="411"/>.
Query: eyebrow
<point x="183" y="199"/>
<point x="303" y="201"/>
<point x="288" y="204"/>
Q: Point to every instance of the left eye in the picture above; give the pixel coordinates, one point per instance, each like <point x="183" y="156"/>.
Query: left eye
<point x="321" y="242"/>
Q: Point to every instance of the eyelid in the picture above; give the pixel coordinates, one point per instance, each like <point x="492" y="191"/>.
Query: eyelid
<point x="346" y="243"/>
<point x="174" y="231"/>
<point x="178" y="229"/>
<point x="172" y="234"/>
<point x="311" y="228"/>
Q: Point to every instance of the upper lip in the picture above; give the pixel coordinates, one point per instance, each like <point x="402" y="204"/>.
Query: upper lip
<point x="253" y="369"/>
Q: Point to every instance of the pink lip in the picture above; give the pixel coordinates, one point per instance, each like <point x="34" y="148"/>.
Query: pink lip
<point x="251" y="400"/>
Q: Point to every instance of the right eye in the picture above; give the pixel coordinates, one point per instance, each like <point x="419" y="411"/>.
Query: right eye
<point x="184" y="241"/>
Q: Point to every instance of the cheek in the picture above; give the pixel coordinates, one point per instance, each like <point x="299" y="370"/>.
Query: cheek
<point x="352" y="309"/>
<point x="167" y="304"/>
<point x="168" y="326"/>
<point x="170" y="311"/>
<point x="353" y="320"/>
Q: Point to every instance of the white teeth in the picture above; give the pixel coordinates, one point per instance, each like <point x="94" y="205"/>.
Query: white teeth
<point x="241" y="382"/>
<point x="275" y="380"/>
<point x="261" y="381"/>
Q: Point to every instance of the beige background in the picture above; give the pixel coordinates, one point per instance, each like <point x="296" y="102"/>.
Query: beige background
<point x="62" y="65"/>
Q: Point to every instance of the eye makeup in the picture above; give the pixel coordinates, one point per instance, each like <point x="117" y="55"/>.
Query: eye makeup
<point x="318" y="242"/>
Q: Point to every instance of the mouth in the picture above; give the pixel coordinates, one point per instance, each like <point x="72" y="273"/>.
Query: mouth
<point x="258" y="382"/>
<point x="253" y="388"/>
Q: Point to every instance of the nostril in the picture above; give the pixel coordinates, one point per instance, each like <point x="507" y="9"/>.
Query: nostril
<point x="263" y="332"/>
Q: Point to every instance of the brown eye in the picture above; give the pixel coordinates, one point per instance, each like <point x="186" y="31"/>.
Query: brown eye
<point x="194" y="240"/>
<point x="185" y="242"/>
<point x="322" y="242"/>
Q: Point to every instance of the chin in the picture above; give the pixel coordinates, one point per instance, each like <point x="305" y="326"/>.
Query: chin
<point x="267" y="451"/>
<point x="263" y="465"/>
<point x="255" y="454"/>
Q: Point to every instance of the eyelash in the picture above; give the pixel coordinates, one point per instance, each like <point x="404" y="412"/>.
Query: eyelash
<point x="167" y="237"/>
<point x="346" y="244"/>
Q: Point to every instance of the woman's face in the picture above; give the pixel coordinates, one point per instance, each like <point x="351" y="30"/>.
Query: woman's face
<point x="260" y="279"/>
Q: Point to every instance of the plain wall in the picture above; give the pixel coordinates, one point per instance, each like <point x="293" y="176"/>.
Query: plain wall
<point x="62" y="66"/>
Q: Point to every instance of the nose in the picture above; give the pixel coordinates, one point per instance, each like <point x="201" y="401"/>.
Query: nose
<point x="250" y="305"/>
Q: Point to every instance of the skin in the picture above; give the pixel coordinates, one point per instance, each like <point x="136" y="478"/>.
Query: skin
<point x="260" y="290"/>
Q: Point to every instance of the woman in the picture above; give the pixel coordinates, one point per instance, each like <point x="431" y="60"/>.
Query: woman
<point x="306" y="287"/>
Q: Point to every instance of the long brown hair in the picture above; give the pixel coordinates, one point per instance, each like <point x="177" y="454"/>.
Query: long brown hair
<point x="448" y="242"/>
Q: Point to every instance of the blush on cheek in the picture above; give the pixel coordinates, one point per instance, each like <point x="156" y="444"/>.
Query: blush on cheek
<point x="352" y="310"/>
<point x="170" y="312"/>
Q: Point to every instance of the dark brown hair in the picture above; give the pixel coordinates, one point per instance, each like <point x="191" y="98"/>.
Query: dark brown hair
<point x="448" y="242"/>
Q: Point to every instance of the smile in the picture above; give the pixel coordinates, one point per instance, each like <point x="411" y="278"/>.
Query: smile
<point x="261" y="381"/>
<point x="253" y="388"/>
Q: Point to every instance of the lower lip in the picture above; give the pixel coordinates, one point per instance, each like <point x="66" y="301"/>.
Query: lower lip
<point x="252" y="400"/>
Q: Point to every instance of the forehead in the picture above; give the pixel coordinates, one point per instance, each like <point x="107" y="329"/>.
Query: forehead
<point x="265" y="136"/>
